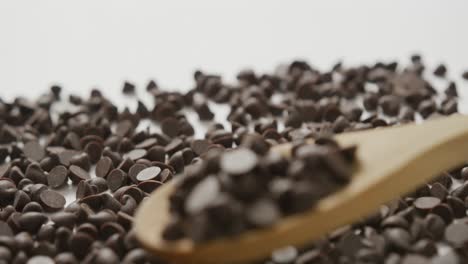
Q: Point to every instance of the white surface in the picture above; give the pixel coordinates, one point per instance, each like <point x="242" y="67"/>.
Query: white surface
<point x="87" y="43"/>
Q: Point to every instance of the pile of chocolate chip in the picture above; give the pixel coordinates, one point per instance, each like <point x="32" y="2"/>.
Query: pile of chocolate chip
<point x="113" y="162"/>
<point x="244" y="188"/>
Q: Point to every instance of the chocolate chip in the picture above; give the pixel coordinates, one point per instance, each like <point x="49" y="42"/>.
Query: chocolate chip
<point x="177" y="162"/>
<point x="440" y="70"/>
<point x="128" y="88"/>
<point x="465" y="75"/>
<point x="77" y="174"/>
<point x="444" y="211"/>
<point x="116" y="179"/>
<point x="200" y="146"/>
<point x="84" y="189"/>
<point x="80" y="244"/>
<point x="94" y="151"/>
<point x="40" y="260"/>
<point x="149" y="186"/>
<point x="32" y="221"/>
<point x="398" y="238"/>
<point x="426" y="203"/>
<point x="66" y="219"/>
<point x="457" y="233"/>
<point x="147" y="143"/>
<point x="135" y="170"/>
<point x="150" y="173"/>
<point x="52" y="200"/>
<point x="136" y="154"/>
<point x="99" y="183"/>
<point x="104" y="166"/>
<point x="106" y="256"/>
<point x="57" y="177"/>
<point x="284" y="255"/>
<point x="171" y="127"/>
<point x="438" y="190"/>
<point x="414" y="259"/>
<point x="202" y="195"/>
<point x="156" y="153"/>
<point x="263" y="213"/>
<point x="390" y="105"/>
<point x="5" y="229"/>
<point x="124" y="128"/>
<point x="21" y="199"/>
<point x="34" y="150"/>
<point x="238" y="161"/>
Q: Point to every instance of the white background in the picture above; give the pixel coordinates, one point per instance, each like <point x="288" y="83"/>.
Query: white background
<point x="88" y="43"/>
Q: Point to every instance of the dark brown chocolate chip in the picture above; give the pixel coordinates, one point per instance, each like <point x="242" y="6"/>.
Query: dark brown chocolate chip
<point x="263" y="213"/>
<point x="40" y="259"/>
<point x="238" y="161"/>
<point x="390" y="105"/>
<point x="57" y="177"/>
<point x="202" y="195"/>
<point x="110" y="228"/>
<point x="99" y="183"/>
<point x="438" y="190"/>
<point x="32" y="207"/>
<point x="284" y="255"/>
<point x="398" y="238"/>
<point x="135" y="170"/>
<point x="35" y="173"/>
<point x="106" y="256"/>
<point x="21" y="199"/>
<point x="136" y="154"/>
<point x="109" y="202"/>
<point x="147" y="143"/>
<point x="171" y="127"/>
<point x="156" y="153"/>
<point x="425" y="247"/>
<point x="444" y="211"/>
<point x="440" y="70"/>
<point x="104" y="166"/>
<point x="65" y="258"/>
<point x="84" y="189"/>
<point x="150" y="173"/>
<point x="465" y="75"/>
<point x="457" y="206"/>
<point x="414" y="259"/>
<point x="94" y="151"/>
<point x="124" y="128"/>
<point x="32" y="221"/>
<point x="116" y="179"/>
<point x="80" y="244"/>
<point x="457" y="234"/>
<point x="77" y="174"/>
<point x="5" y="229"/>
<point x="165" y="175"/>
<point x="81" y="160"/>
<point x="177" y="162"/>
<point x="426" y="203"/>
<point x="128" y="88"/>
<point x="149" y="186"/>
<point x="200" y="146"/>
<point x="34" y="150"/>
<point x="66" y="155"/>
<point x="52" y="200"/>
<point x="66" y="219"/>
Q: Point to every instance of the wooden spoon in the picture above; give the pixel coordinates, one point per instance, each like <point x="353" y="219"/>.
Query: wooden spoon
<point x="392" y="161"/>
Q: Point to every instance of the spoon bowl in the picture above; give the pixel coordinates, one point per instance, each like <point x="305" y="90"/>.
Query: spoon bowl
<point x="390" y="162"/>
